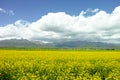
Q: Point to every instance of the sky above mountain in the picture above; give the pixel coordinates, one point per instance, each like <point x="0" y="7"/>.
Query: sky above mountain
<point x="51" y="20"/>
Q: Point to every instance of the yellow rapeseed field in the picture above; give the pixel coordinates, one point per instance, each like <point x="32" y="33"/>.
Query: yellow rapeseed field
<point x="59" y="65"/>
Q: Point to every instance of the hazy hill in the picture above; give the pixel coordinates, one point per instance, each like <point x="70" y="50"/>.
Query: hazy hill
<point x="86" y="44"/>
<point x="23" y="43"/>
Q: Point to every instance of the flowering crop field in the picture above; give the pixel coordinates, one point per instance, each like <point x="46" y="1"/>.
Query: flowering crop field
<point x="59" y="65"/>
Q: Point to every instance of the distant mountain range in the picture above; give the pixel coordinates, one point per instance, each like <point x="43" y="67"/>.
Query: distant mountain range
<point x="23" y="43"/>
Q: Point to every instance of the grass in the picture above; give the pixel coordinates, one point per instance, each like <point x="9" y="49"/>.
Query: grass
<point x="59" y="65"/>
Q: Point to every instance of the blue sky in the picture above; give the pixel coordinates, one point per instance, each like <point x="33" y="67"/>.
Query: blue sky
<point x="51" y="20"/>
<point x="32" y="10"/>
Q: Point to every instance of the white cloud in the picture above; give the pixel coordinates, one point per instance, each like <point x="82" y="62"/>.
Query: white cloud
<point x="11" y="12"/>
<point x="89" y="11"/>
<point x="8" y="12"/>
<point x="2" y="10"/>
<point x="95" y="10"/>
<point x="17" y="30"/>
<point x="101" y="26"/>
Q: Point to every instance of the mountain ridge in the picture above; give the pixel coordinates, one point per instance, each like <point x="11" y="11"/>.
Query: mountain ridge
<point x="24" y="43"/>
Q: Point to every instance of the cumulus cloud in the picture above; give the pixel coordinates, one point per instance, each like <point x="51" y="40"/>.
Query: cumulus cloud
<point x="8" y="12"/>
<point x="99" y="27"/>
<point x="17" y="30"/>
